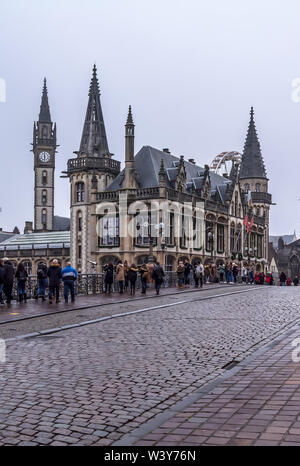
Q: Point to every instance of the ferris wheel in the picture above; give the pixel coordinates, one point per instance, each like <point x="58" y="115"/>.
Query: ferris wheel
<point x="222" y="163"/>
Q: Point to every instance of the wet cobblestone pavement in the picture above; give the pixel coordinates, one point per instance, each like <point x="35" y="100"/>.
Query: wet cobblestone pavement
<point x="93" y="385"/>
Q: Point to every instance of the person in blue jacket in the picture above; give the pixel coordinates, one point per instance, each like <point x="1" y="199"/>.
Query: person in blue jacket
<point x="69" y="276"/>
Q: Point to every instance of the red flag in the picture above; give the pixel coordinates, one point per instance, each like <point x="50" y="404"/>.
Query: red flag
<point x="251" y="223"/>
<point x="246" y="223"/>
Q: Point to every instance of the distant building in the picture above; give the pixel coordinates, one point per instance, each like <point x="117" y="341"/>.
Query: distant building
<point x="287" y="239"/>
<point x="288" y="258"/>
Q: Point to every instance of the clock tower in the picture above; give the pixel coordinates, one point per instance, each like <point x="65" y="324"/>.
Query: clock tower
<point x="44" y="150"/>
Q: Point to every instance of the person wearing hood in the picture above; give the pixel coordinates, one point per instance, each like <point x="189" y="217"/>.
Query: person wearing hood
<point x="8" y="282"/>
<point x="42" y="272"/>
<point x="158" y="276"/>
<point x="54" y="275"/>
<point x="21" y="276"/>
<point x="69" y="276"/>
<point x="132" y="277"/>
<point x="120" y="276"/>
<point x="108" y="277"/>
<point x="180" y="274"/>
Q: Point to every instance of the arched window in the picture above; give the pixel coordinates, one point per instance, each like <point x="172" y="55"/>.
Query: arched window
<point x="44" y="178"/>
<point x="236" y="204"/>
<point x="247" y="187"/>
<point x="79" y="221"/>
<point x="44" y="218"/>
<point x="232" y="237"/>
<point x="239" y="238"/>
<point x="80" y="192"/>
<point x="44" y="197"/>
<point x="258" y="187"/>
<point x="45" y="132"/>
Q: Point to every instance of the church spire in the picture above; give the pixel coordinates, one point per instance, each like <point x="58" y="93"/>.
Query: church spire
<point x="93" y="140"/>
<point x="45" y="116"/>
<point x="252" y="165"/>
<point x="130" y="179"/>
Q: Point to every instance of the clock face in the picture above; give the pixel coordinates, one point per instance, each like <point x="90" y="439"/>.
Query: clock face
<point x="44" y="157"/>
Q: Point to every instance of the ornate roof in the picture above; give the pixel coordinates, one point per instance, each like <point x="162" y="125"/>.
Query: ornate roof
<point x="44" y="116"/>
<point x="252" y="165"/>
<point x="148" y="163"/>
<point x="93" y="140"/>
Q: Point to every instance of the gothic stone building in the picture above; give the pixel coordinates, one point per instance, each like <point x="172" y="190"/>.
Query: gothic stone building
<point x="217" y="205"/>
<point x="287" y="258"/>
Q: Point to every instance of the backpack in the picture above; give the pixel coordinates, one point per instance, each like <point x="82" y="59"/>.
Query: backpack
<point x="199" y="271"/>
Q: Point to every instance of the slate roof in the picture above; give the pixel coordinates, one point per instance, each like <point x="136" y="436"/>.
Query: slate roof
<point x="44" y="116"/>
<point x="93" y="141"/>
<point x="147" y="165"/>
<point x="61" y="223"/>
<point x="4" y="235"/>
<point x="287" y="239"/>
<point x="252" y="165"/>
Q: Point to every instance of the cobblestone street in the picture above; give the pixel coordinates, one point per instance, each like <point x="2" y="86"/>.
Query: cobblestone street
<point x="96" y="384"/>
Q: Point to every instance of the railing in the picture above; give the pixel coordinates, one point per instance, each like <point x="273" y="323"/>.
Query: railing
<point x="215" y="207"/>
<point x="108" y="196"/>
<point x="90" y="284"/>
<point x="259" y="220"/>
<point x="100" y="163"/>
<point x="264" y="198"/>
<point x="174" y="195"/>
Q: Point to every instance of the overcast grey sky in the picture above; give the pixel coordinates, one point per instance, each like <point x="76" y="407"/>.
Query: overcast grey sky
<point x="191" y="70"/>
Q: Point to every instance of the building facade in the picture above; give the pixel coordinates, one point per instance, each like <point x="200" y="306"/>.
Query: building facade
<point x="121" y="215"/>
<point x="159" y="206"/>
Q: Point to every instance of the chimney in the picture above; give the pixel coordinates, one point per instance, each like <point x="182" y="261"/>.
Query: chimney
<point x="166" y="150"/>
<point x="28" y="227"/>
<point x="192" y="161"/>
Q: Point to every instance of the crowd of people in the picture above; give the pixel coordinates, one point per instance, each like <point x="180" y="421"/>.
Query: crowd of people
<point x="126" y="276"/>
<point x="47" y="278"/>
<point x="50" y="278"/>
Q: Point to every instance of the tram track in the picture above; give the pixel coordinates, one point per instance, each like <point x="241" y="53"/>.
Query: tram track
<point x="112" y="303"/>
<point x="60" y="328"/>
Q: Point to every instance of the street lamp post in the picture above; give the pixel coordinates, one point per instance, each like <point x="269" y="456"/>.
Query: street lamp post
<point x="210" y="236"/>
<point x="157" y="227"/>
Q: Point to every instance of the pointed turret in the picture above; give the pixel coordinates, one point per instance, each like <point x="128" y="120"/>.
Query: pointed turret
<point x="93" y="140"/>
<point x="234" y="171"/>
<point x="130" y="179"/>
<point x="252" y="165"/>
<point x="44" y="116"/>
